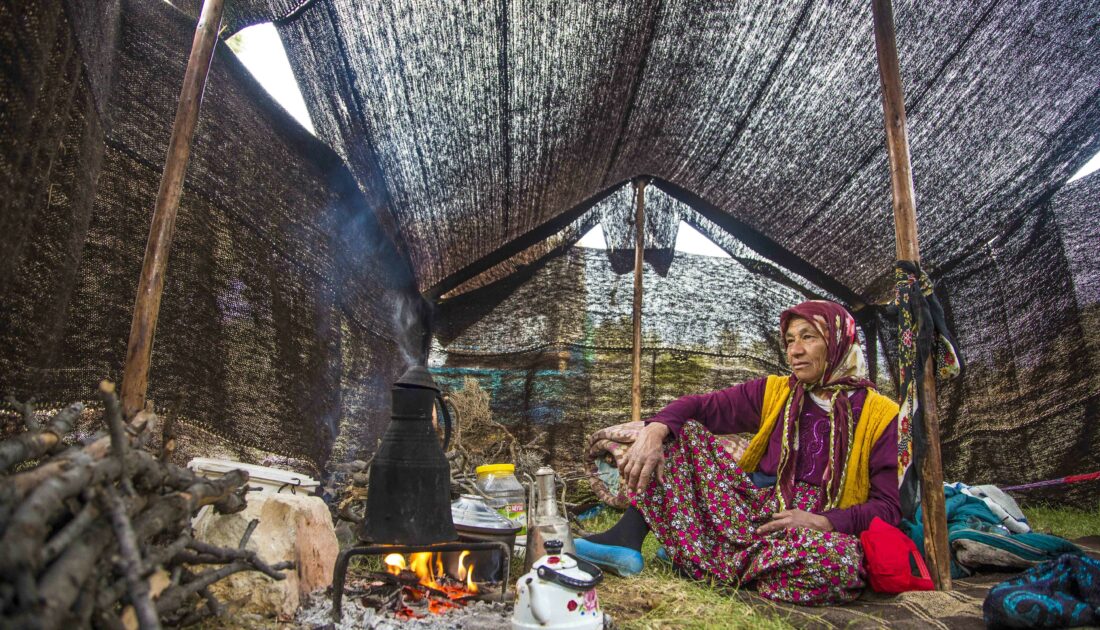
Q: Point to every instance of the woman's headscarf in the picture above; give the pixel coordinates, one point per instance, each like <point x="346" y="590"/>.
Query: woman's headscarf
<point x="845" y="371"/>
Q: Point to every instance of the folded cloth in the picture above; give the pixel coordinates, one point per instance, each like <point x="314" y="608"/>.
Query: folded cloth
<point x="978" y="540"/>
<point x="1056" y="594"/>
<point x="607" y="448"/>
<point x="1003" y="506"/>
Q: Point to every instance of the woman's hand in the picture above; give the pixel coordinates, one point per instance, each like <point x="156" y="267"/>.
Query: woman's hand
<point x="645" y="457"/>
<point x="788" y="519"/>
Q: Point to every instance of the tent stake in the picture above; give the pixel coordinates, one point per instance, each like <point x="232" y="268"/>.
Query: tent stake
<point x="905" y="226"/>
<point x="639" y="252"/>
<point x="135" y="374"/>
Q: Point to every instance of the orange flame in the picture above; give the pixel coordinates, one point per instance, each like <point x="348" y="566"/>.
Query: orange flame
<point x="394" y="563"/>
<point x="462" y="565"/>
<point x="467" y="572"/>
<point x="421" y="565"/>
<point x="429" y="571"/>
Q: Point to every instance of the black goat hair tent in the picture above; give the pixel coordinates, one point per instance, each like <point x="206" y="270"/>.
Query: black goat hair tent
<point x="462" y="148"/>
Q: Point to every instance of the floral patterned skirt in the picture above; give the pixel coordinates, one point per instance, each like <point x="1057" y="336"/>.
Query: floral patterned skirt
<point x="706" y="514"/>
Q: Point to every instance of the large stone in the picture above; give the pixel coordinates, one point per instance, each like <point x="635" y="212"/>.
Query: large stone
<point x="292" y="527"/>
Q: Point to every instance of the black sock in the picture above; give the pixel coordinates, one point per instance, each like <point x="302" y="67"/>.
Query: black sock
<point x="629" y="532"/>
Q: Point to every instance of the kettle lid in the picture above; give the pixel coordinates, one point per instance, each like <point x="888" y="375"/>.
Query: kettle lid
<point x="417" y="376"/>
<point x="566" y="570"/>
<point x="557" y="560"/>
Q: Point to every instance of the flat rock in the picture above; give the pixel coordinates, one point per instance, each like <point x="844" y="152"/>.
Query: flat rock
<point x="292" y="527"/>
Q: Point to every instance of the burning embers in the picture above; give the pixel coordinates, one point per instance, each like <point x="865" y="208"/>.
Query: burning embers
<point x="421" y="584"/>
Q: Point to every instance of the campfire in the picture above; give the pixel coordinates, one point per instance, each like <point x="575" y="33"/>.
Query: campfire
<point x="409" y="521"/>
<point x="419" y="584"/>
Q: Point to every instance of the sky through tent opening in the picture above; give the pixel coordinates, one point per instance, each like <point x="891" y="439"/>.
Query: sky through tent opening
<point x="1090" y="167"/>
<point x="688" y="240"/>
<point x="261" y="51"/>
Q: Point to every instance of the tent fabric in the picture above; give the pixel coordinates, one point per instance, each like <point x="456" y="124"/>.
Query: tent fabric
<point x="662" y="221"/>
<point x="487" y="120"/>
<point x="1075" y="210"/>
<point x="456" y="310"/>
<point x="286" y="311"/>
<point x="531" y="257"/>
<point x="1027" y="406"/>
<point x="454" y="139"/>
<point x="554" y="352"/>
<point x="616" y="215"/>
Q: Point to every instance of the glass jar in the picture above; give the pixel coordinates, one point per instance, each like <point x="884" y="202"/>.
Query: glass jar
<point x="505" y="493"/>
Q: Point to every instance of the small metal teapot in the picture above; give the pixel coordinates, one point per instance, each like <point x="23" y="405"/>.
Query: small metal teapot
<point x="559" y="593"/>
<point x="544" y="521"/>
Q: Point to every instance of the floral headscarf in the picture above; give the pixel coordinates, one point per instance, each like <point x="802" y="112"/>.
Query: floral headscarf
<point x="845" y="371"/>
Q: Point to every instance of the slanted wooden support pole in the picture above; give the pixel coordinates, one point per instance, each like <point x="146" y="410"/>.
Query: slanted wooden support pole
<point x="905" y="225"/>
<point x="639" y="252"/>
<point x="135" y="374"/>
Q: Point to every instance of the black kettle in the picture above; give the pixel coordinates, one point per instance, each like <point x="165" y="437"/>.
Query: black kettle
<point x="409" y="495"/>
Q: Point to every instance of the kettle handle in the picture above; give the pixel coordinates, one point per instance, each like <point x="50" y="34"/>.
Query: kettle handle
<point x="446" y="421"/>
<point x="550" y="575"/>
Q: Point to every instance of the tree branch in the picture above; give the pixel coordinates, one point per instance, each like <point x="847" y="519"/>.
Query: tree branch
<point x="131" y="561"/>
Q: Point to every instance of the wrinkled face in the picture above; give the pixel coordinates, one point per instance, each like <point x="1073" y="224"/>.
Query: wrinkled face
<point x="806" y="351"/>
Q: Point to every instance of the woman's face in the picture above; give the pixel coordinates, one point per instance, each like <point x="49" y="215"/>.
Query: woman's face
<point x="806" y="351"/>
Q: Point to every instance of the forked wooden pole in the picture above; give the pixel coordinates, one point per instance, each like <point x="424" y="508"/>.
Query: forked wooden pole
<point x="639" y="252"/>
<point x="905" y="226"/>
<point x="135" y="374"/>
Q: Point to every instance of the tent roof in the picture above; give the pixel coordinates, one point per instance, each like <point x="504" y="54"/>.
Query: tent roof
<point x="490" y="126"/>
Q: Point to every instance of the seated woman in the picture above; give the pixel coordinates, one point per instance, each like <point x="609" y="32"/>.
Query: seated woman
<point x="786" y="518"/>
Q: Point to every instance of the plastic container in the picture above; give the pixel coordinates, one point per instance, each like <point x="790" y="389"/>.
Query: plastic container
<point x="267" y="479"/>
<point x="505" y="493"/>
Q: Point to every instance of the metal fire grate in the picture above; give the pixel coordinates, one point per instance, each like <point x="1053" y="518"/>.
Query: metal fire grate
<point x="344" y="559"/>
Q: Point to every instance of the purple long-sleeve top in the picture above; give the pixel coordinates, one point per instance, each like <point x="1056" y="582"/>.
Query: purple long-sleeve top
<point x="737" y="409"/>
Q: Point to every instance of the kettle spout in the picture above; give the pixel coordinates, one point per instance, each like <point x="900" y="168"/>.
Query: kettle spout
<point x="540" y="606"/>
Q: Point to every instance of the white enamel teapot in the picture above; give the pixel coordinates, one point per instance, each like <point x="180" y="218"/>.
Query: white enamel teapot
<point x="559" y="593"/>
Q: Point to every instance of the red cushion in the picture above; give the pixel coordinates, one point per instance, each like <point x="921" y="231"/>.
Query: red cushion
<point x="887" y="553"/>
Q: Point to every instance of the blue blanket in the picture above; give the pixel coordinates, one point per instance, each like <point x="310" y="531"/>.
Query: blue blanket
<point x="969" y="519"/>
<point x="1056" y="594"/>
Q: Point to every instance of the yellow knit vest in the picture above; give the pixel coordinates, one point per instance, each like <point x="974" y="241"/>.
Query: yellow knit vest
<point x="878" y="411"/>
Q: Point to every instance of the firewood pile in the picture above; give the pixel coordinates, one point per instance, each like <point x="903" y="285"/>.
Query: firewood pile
<point x="99" y="534"/>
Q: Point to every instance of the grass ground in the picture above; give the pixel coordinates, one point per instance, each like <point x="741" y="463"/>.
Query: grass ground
<point x="1065" y="522"/>
<point x="660" y="599"/>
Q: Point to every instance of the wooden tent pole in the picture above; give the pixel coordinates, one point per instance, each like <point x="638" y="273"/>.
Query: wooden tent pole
<point x="905" y="226"/>
<point x="135" y="374"/>
<point x="870" y="331"/>
<point x="639" y="252"/>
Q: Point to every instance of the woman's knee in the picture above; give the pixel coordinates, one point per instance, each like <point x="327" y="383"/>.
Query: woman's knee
<point x="821" y="568"/>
